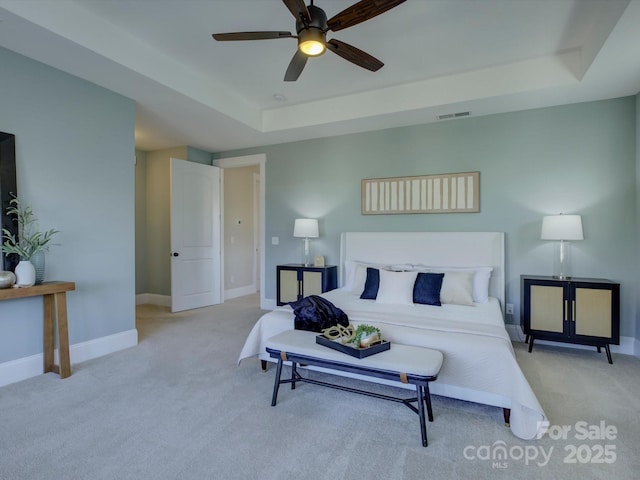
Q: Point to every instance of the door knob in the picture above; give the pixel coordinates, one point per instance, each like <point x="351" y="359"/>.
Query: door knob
<point x="176" y="254"/>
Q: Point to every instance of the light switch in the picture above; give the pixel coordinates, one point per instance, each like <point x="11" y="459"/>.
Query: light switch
<point x="275" y="240"/>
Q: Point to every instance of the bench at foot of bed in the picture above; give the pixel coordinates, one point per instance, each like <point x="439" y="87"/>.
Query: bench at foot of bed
<point x="407" y="364"/>
<point x="506" y="412"/>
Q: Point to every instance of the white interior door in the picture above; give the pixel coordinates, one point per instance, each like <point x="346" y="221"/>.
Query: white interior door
<point x="195" y="235"/>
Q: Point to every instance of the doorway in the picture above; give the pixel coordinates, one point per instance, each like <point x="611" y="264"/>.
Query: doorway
<point x="243" y="226"/>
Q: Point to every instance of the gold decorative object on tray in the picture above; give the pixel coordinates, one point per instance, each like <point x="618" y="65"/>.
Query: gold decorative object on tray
<point x="359" y="342"/>
<point x="338" y="332"/>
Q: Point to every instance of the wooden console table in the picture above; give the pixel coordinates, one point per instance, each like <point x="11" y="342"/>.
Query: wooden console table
<point x="55" y="308"/>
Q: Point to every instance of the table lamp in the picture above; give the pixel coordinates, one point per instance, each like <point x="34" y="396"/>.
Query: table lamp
<point x="563" y="228"/>
<point x="306" y="228"/>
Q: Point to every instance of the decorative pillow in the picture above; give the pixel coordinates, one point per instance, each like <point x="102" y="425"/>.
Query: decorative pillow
<point x="457" y="288"/>
<point x="427" y="288"/>
<point x="356" y="274"/>
<point x="370" y="291"/>
<point x="396" y="287"/>
<point x="481" y="277"/>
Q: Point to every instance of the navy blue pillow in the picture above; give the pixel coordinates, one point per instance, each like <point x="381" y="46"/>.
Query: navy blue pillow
<point x="371" y="285"/>
<point x="426" y="290"/>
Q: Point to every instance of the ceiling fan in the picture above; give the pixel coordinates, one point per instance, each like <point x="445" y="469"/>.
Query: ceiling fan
<point x="312" y="27"/>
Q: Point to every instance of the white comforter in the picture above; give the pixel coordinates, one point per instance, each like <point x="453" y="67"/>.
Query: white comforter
<point x="479" y="362"/>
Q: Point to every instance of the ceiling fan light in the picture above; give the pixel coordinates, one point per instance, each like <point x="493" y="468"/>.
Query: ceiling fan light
<point x="311" y="42"/>
<point x="312" y="48"/>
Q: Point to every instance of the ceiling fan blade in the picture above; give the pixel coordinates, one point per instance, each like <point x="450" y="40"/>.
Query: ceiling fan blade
<point x="226" y="37"/>
<point x="298" y="9"/>
<point x="296" y="66"/>
<point x="360" y="12"/>
<point x="354" y="55"/>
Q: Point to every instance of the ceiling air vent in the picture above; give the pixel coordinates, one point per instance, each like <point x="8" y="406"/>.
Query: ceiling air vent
<point x="448" y="116"/>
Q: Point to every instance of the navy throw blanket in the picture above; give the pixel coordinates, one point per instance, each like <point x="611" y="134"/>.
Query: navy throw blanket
<point x="314" y="314"/>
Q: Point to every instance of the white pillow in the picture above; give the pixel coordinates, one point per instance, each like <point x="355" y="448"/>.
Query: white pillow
<point x="421" y="268"/>
<point x="480" y="283"/>
<point x="356" y="275"/>
<point x="400" y="267"/>
<point x="457" y="288"/>
<point x="396" y="287"/>
<point x="349" y="274"/>
<point x="359" y="278"/>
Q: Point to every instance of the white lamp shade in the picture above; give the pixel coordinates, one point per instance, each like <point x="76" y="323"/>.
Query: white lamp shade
<point x="562" y="227"/>
<point x="306" y="228"/>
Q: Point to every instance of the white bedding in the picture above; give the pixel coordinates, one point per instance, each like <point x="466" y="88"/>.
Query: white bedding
<point x="479" y="362"/>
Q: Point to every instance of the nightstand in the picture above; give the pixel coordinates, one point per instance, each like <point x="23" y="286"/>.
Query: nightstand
<point x="296" y="281"/>
<point x="583" y="311"/>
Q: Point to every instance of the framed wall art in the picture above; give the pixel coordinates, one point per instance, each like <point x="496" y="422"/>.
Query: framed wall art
<point x="446" y="193"/>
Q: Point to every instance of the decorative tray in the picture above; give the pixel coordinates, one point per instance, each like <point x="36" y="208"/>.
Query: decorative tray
<point x="351" y="350"/>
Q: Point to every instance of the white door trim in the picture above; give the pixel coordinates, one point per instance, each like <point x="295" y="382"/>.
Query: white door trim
<point x="256" y="230"/>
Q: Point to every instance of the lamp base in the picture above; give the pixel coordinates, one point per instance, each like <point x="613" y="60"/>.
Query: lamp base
<point x="561" y="277"/>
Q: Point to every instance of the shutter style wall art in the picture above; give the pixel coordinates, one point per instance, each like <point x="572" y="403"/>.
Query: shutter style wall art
<point x="447" y="193"/>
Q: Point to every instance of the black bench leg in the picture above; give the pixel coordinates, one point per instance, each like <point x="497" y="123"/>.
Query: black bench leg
<point x="294" y="372"/>
<point x="423" y="423"/>
<point x="427" y="399"/>
<point x="276" y="384"/>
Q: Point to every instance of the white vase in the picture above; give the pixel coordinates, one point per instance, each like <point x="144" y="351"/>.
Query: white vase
<point x="25" y="274"/>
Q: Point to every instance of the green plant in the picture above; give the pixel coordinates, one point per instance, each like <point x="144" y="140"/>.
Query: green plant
<point x="364" y="330"/>
<point x="29" y="240"/>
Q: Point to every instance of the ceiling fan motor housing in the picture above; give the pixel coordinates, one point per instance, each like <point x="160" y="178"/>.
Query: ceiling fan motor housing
<point x="314" y="31"/>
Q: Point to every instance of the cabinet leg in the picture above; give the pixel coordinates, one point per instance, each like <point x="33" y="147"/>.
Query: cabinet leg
<point x="530" y="343"/>
<point x="608" y="350"/>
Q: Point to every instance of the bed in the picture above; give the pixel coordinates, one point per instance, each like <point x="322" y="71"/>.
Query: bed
<point x="468" y="327"/>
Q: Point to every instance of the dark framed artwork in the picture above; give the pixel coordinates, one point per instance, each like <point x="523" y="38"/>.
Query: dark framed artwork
<point x="8" y="186"/>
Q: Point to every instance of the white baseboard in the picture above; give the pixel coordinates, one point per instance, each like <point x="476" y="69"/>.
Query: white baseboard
<point x="268" y="304"/>
<point x="239" y="292"/>
<point x="628" y="345"/>
<point x="153" y="299"/>
<point x="27" y="367"/>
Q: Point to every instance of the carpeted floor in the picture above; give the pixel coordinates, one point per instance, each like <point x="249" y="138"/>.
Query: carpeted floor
<point x="177" y="406"/>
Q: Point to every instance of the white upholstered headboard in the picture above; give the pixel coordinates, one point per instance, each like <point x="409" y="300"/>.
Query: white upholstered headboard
<point x="444" y="249"/>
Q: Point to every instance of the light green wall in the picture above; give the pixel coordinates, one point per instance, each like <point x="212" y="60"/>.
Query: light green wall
<point x="198" y="156"/>
<point x="574" y="159"/>
<point x="158" y="218"/>
<point x="75" y="166"/>
<point x="142" y="268"/>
